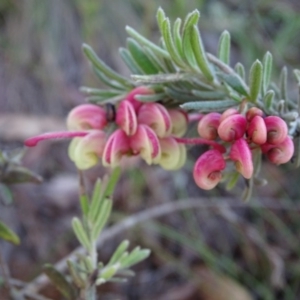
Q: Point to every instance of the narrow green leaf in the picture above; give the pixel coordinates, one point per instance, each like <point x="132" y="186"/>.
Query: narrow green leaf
<point x="140" y="57"/>
<point x="84" y="203"/>
<point x="235" y="82"/>
<point x="297" y="75"/>
<point x="119" y="252"/>
<point x="5" y="194"/>
<point x="269" y="98"/>
<point x="255" y="80"/>
<point x="200" y="54"/>
<point x="130" y="62"/>
<point x="113" y="179"/>
<point x="240" y="69"/>
<point x="135" y="257"/>
<point x="169" y="43"/>
<point x="79" y="282"/>
<point x="60" y="282"/>
<point x="108" y="272"/>
<point x="107" y="81"/>
<point x="142" y="40"/>
<point x="191" y="20"/>
<point x="181" y="96"/>
<point x="209" y="95"/>
<point x="224" y="47"/>
<point x="206" y="106"/>
<point x="283" y="80"/>
<point x="80" y="233"/>
<point x="97" y="201"/>
<point x="102" y="67"/>
<point x="160" y="78"/>
<point x="8" y="235"/>
<point x="156" y="61"/>
<point x="247" y="193"/>
<point x="267" y="71"/>
<point x="151" y="98"/>
<point x="160" y="17"/>
<point x="102" y="218"/>
<point x="232" y="181"/>
<point x="101" y="100"/>
<point x="100" y="92"/>
<point x="177" y="37"/>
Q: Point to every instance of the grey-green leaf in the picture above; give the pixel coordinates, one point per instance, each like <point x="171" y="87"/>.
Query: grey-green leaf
<point x="207" y="106"/>
<point x="224" y="47"/>
<point x="255" y="80"/>
<point x="235" y="82"/>
<point x="60" y="282"/>
<point x="8" y="235"/>
<point x="240" y="69"/>
<point x="199" y="53"/>
<point x="80" y="233"/>
<point x="283" y="80"/>
<point x="267" y="71"/>
<point x="119" y="252"/>
<point x="269" y="98"/>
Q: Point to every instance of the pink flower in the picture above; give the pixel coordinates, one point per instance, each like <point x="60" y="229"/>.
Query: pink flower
<point x="86" y="116"/>
<point x="279" y="153"/>
<point x="156" y="117"/>
<point x="227" y="113"/>
<point x="141" y="90"/>
<point x="173" y="154"/>
<point x="116" y="146"/>
<point x="240" y="153"/>
<point x="252" y="112"/>
<point x="126" y="117"/>
<point x="276" y="130"/>
<point x="207" y="170"/>
<point x="232" y="128"/>
<point x="208" y="126"/>
<point x="145" y="143"/>
<point x="257" y="130"/>
<point x="85" y="151"/>
<point x="179" y="120"/>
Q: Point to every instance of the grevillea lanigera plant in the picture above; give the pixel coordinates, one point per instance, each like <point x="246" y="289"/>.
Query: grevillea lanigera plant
<point x="240" y="117"/>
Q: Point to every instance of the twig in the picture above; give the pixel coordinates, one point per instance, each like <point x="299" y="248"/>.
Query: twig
<point x="156" y="212"/>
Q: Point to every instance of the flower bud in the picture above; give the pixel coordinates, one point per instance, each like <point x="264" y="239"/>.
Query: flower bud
<point x="240" y="153"/>
<point x="156" y="117"/>
<point x="276" y="130"/>
<point x="85" y="117"/>
<point x="145" y="143"/>
<point x="228" y="112"/>
<point x="257" y="130"/>
<point x="207" y="170"/>
<point x="173" y="154"/>
<point x="208" y="126"/>
<point x="116" y="146"/>
<point x="179" y="120"/>
<point x="126" y="117"/>
<point x="280" y="153"/>
<point x="85" y="151"/>
<point x="140" y="90"/>
<point x="232" y="128"/>
<point x="252" y="112"/>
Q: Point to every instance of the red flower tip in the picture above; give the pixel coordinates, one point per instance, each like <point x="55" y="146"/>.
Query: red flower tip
<point x="207" y="170"/>
<point x="280" y="153"/>
<point x="208" y="126"/>
<point x="240" y="153"/>
<point x="257" y="130"/>
<point x="232" y="128"/>
<point x="277" y="130"/>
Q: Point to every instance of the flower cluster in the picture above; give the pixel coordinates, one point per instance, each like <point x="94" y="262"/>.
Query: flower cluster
<point x="145" y="129"/>
<point x="242" y="133"/>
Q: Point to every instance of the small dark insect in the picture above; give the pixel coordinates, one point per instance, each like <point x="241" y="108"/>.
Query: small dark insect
<point x="110" y="112"/>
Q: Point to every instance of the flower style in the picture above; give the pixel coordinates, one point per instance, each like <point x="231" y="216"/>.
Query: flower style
<point x="240" y="153"/>
<point x="207" y="170"/>
<point x="126" y="117"/>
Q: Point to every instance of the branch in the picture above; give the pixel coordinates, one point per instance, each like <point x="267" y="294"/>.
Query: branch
<point x="156" y="212"/>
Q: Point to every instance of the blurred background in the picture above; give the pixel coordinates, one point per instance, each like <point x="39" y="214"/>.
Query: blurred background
<point x="243" y="251"/>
